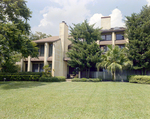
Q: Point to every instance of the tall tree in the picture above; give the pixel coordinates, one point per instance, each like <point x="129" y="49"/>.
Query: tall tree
<point x="14" y="29"/>
<point x="38" y="35"/>
<point x="84" y="56"/>
<point x="85" y="52"/>
<point x="114" y="59"/>
<point x="138" y="34"/>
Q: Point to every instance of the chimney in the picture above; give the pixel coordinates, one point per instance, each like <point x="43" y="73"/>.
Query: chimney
<point x="106" y="22"/>
<point x="63" y="35"/>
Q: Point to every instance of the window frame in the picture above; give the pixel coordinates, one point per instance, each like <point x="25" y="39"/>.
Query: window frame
<point x="106" y="37"/>
<point x="121" y="35"/>
<point x="39" y="50"/>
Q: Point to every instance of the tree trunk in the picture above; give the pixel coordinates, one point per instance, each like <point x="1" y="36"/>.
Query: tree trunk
<point x="142" y="71"/>
<point x="88" y="72"/>
<point x="114" y="74"/>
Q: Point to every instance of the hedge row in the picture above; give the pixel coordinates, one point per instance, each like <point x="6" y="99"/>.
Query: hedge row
<point x="86" y="80"/>
<point x="19" y="77"/>
<point x="139" y="79"/>
<point x="22" y="73"/>
<point x="52" y="79"/>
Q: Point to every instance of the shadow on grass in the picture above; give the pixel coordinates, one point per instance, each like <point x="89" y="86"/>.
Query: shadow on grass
<point x="19" y="84"/>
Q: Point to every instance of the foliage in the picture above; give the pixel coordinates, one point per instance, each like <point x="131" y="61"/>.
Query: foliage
<point x="114" y="59"/>
<point x="47" y="71"/>
<point x="19" y="77"/>
<point x="38" y="35"/>
<point x="14" y="30"/>
<point x="9" y="66"/>
<point x="84" y="52"/>
<point x="139" y="79"/>
<point x="84" y="32"/>
<point x="22" y="73"/>
<point x="138" y="34"/>
<point x="86" y="80"/>
<point x="52" y="79"/>
<point x="83" y="56"/>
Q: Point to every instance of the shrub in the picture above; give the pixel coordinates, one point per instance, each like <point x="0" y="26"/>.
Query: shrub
<point x="61" y="78"/>
<point x="20" y="77"/>
<point x="86" y="80"/>
<point x="52" y="79"/>
<point x="22" y="73"/>
<point x="143" y="79"/>
<point x="47" y="71"/>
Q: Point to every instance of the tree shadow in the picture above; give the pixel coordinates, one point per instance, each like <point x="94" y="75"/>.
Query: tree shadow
<point x="19" y="84"/>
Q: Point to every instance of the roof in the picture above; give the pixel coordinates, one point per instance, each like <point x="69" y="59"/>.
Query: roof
<point x="48" y="40"/>
<point x="116" y="29"/>
<point x="105" y="17"/>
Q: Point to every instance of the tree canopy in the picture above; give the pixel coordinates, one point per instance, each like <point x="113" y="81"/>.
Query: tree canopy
<point x="38" y="35"/>
<point x="14" y="29"/>
<point x="85" y="32"/>
<point x="85" y="52"/>
<point x="138" y="34"/>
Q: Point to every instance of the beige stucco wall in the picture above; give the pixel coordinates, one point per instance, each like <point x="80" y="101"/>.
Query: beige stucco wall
<point x="57" y="59"/>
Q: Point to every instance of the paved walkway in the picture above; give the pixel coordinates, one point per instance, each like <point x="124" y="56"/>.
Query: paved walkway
<point x="68" y="80"/>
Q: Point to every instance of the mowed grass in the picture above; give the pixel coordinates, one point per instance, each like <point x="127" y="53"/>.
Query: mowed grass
<point x="74" y="100"/>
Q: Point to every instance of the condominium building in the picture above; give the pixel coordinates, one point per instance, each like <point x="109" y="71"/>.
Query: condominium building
<point x="52" y="50"/>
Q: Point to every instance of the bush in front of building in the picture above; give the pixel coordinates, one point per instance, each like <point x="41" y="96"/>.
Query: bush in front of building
<point x="86" y="80"/>
<point x="19" y="77"/>
<point x="22" y="73"/>
<point x="142" y="79"/>
<point x="47" y="71"/>
<point x="52" y="79"/>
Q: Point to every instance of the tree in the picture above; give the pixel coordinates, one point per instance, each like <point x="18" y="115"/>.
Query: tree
<point x="38" y="35"/>
<point x="84" y="56"/>
<point x="138" y="34"/>
<point x="85" y="52"/>
<point x="85" y="32"/>
<point x="14" y="30"/>
<point x="114" y="59"/>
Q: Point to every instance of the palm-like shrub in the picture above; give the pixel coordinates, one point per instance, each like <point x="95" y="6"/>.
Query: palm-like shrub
<point x="114" y="59"/>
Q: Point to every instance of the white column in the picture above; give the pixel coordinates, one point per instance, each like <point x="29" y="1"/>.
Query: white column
<point x="113" y="39"/>
<point x="46" y="53"/>
<point x="53" y="60"/>
<point x="29" y="64"/>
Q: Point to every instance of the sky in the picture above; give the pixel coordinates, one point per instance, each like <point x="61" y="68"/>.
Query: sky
<point x="48" y="14"/>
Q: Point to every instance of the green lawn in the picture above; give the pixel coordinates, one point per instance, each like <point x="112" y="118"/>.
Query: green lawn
<point x="78" y="100"/>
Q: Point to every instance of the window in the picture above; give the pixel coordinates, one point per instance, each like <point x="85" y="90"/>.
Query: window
<point x="119" y="37"/>
<point x="103" y="37"/>
<point x="26" y="67"/>
<point x="41" y="50"/>
<point x="50" y="50"/>
<point x="106" y="37"/>
<point x="41" y="67"/>
<point x="121" y="46"/>
<point x="35" y="68"/>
